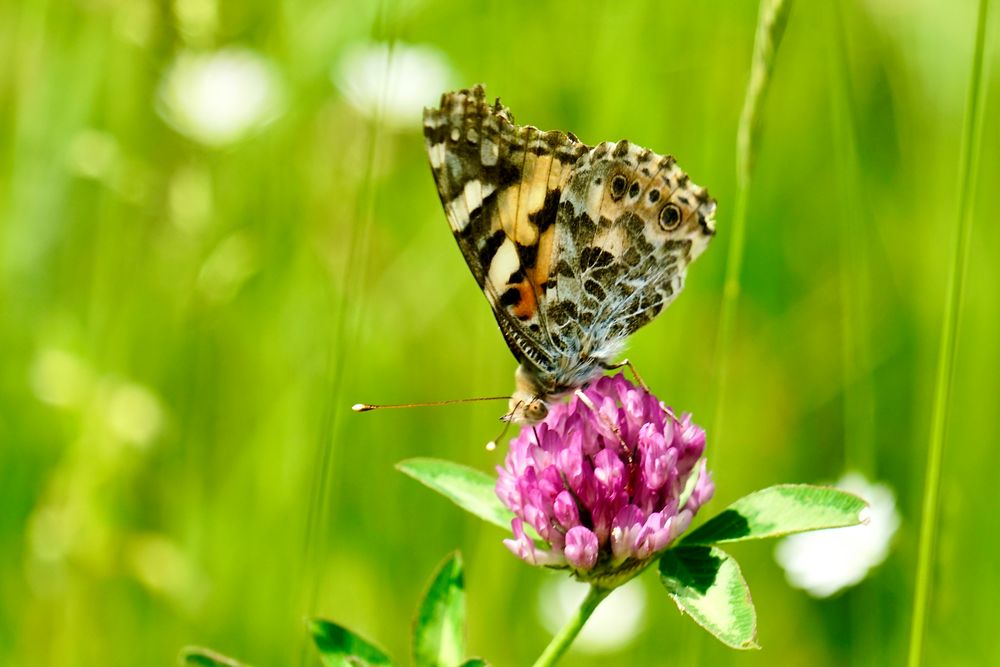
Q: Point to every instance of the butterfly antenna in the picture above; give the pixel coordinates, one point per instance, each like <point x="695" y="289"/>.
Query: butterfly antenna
<point x="368" y="407"/>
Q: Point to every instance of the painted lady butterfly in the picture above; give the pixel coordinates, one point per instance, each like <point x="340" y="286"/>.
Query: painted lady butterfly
<point x="575" y="246"/>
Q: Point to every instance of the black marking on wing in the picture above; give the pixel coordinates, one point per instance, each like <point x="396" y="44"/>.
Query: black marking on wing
<point x="481" y="143"/>
<point x="546" y="216"/>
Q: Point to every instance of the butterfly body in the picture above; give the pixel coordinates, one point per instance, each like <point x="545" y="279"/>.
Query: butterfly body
<point x="574" y="246"/>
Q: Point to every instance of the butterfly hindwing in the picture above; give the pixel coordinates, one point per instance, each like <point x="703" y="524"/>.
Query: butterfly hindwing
<point x="621" y="257"/>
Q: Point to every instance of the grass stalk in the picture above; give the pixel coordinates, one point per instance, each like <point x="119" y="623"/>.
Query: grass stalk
<point x="858" y="392"/>
<point x="346" y="325"/>
<point x="772" y="16"/>
<point x="853" y="226"/>
<point x="771" y="19"/>
<point x="954" y="295"/>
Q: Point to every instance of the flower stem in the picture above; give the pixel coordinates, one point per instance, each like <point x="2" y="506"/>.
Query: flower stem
<point x="572" y="628"/>
<point x="949" y="343"/>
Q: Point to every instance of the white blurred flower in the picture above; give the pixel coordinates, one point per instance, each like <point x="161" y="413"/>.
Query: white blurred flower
<point x="613" y="625"/>
<point x="221" y="97"/>
<point x="392" y="82"/>
<point x="826" y="561"/>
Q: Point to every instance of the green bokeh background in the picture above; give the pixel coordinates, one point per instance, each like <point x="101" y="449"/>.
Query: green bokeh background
<point x="226" y="306"/>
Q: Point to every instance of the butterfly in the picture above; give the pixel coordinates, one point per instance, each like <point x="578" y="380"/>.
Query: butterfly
<point x="574" y="246"/>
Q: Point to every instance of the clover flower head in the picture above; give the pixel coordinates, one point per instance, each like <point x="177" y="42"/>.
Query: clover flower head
<point x="601" y="481"/>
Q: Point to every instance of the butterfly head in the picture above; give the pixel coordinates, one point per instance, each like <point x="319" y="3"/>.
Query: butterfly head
<point x="528" y="404"/>
<point x="527" y="409"/>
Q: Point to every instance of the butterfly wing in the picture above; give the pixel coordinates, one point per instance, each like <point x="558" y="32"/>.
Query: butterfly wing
<point x="500" y="185"/>
<point x="574" y="247"/>
<point x="629" y="223"/>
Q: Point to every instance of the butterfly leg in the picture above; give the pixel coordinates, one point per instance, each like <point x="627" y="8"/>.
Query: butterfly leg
<point x="607" y="422"/>
<point x="623" y="363"/>
<point x="638" y="379"/>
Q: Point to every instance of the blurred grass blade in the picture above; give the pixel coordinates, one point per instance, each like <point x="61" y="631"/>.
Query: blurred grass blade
<point x="339" y="647"/>
<point x="949" y="340"/>
<point x="771" y="20"/>
<point x="439" y="630"/>
<point x="780" y="510"/>
<point x="197" y="656"/>
<point x="470" y="489"/>
<point x="856" y="241"/>
<point x="706" y="583"/>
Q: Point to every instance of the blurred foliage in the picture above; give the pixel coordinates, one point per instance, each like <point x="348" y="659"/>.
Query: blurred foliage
<point x="185" y="326"/>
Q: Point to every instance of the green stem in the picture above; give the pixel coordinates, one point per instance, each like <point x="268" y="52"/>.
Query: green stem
<point x="854" y="223"/>
<point x="771" y="20"/>
<point x="949" y="345"/>
<point x="572" y="628"/>
<point x="772" y="16"/>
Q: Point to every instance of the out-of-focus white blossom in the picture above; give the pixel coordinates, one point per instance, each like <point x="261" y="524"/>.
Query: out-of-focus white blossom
<point x="392" y="82"/>
<point x="826" y="561"/>
<point x="221" y="97"/>
<point x="613" y="625"/>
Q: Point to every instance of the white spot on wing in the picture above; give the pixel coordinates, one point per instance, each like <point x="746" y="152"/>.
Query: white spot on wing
<point x="474" y="193"/>
<point x="461" y="207"/>
<point x="436" y="153"/>
<point x="504" y="263"/>
<point x="458" y="214"/>
<point x="489" y="152"/>
<point x="611" y="240"/>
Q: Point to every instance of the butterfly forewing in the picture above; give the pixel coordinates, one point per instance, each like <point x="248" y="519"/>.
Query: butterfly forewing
<point x="500" y="186"/>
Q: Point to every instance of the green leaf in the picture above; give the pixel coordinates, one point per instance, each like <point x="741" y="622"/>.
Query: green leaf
<point x="439" y="630"/>
<point x="339" y="647"/>
<point x="707" y="584"/>
<point x="780" y="510"/>
<point x="203" y="657"/>
<point x="475" y="662"/>
<point x="470" y="489"/>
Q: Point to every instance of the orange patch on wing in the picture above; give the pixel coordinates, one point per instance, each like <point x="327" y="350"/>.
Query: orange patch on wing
<point x="528" y="305"/>
<point x="539" y="273"/>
